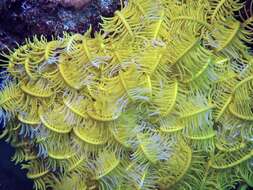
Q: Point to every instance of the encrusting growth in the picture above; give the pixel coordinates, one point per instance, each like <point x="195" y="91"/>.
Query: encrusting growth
<point x="161" y="98"/>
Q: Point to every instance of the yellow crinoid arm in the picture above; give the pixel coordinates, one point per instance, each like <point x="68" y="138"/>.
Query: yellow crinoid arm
<point x="223" y="160"/>
<point x="56" y="119"/>
<point x="10" y="96"/>
<point x="125" y="23"/>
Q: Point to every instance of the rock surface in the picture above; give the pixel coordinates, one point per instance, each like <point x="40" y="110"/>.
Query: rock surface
<point x="20" y="19"/>
<point x="73" y="3"/>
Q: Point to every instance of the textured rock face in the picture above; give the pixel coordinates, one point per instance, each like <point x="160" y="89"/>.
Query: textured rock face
<point x="20" y="19"/>
<point x="75" y="3"/>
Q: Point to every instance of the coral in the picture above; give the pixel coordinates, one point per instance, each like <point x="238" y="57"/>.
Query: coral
<point x="161" y="98"/>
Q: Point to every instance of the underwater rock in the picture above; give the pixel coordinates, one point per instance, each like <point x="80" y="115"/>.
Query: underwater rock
<point x="20" y="19"/>
<point x="73" y="3"/>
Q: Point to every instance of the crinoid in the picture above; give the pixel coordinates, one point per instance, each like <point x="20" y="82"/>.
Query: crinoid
<point x="161" y="98"/>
